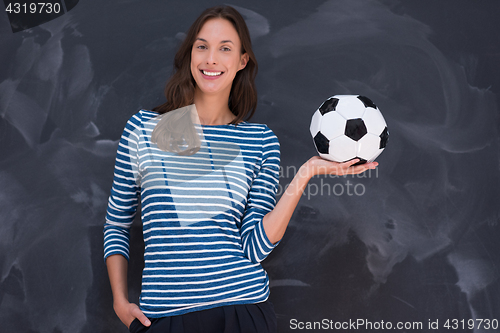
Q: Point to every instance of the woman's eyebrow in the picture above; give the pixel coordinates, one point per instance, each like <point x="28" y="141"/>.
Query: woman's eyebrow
<point x="221" y="42"/>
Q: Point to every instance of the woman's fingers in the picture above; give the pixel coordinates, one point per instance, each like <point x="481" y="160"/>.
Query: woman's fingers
<point x="320" y="166"/>
<point x="361" y="168"/>
<point x="349" y="167"/>
<point x="351" y="162"/>
<point x="137" y="313"/>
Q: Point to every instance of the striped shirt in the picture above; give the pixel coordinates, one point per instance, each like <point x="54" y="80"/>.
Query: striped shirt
<point x="201" y="214"/>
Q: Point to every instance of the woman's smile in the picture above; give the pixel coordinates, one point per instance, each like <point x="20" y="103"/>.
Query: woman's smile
<point x="211" y="75"/>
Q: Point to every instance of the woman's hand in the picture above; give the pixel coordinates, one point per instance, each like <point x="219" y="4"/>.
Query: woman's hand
<point x="320" y="166"/>
<point x="127" y="312"/>
<point x="117" y="271"/>
<point x="276" y="221"/>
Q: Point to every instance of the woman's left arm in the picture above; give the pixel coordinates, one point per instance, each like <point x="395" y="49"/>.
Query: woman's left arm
<point x="276" y="221"/>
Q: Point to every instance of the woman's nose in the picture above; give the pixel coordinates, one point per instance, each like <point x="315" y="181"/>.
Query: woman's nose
<point x="211" y="58"/>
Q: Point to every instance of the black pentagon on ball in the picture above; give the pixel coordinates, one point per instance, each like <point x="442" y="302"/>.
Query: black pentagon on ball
<point x="367" y="102"/>
<point x="384" y="137"/>
<point x="322" y="143"/>
<point x="328" y="105"/>
<point x="355" y="129"/>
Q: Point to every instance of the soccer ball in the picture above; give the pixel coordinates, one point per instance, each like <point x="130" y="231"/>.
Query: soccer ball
<point x="345" y="127"/>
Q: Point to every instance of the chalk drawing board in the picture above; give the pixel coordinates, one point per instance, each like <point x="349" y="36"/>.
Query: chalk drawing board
<point x="417" y="241"/>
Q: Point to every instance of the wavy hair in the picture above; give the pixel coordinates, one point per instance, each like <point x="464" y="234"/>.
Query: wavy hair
<point x="180" y="88"/>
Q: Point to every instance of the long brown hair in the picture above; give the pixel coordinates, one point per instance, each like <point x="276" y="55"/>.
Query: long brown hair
<point x="180" y="88"/>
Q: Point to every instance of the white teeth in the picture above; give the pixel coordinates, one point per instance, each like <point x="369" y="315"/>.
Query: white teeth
<point x="212" y="73"/>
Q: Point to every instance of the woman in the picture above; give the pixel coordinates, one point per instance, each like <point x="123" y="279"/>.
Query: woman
<point x="208" y="211"/>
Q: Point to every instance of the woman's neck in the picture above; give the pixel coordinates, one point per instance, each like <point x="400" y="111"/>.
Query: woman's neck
<point x="213" y="109"/>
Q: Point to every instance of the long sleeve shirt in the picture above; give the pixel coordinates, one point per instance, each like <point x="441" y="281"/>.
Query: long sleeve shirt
<point x="201" y="214"/>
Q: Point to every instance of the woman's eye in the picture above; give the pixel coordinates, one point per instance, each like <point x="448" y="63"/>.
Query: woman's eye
<point x="225" y="48"/>
<point x="201" y="47"/>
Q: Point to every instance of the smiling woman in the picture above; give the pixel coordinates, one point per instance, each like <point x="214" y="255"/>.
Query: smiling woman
<point x="209" y="211"/>
<point x="201" y="210"/>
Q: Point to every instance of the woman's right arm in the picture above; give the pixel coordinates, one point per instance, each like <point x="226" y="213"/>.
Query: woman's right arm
<point x="122" y="208"/>
<point x="117" y="271"/>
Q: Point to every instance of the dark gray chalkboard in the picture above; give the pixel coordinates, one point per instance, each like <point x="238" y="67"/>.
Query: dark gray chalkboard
<point x="417" y="242"/>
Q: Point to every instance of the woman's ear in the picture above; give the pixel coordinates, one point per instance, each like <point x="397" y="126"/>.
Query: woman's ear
<point x="243" y="61"/>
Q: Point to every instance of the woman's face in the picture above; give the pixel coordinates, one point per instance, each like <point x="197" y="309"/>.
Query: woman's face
<point x="216" y="57"/>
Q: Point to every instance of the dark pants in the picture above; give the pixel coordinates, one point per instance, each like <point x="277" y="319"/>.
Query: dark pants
<point x="244" y="318"/>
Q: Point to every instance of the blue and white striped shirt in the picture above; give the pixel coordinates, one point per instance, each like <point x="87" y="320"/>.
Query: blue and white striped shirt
<point x="201" y="214"/>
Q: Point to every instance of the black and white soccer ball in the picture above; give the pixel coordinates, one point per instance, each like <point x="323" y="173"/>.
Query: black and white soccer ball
<point x="345" y="127"/>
